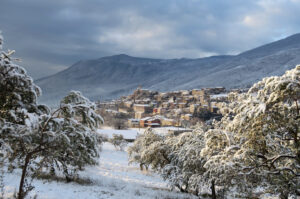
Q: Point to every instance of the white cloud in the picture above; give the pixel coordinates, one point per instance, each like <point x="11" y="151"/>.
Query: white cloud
<point x="139" y="35"/>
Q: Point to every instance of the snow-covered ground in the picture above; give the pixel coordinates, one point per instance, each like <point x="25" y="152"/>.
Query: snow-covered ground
<point x="127" y="134"/>
<point x="165" y="130"/>
<point x="113" y="178"/>
<point x="133" y="132"/>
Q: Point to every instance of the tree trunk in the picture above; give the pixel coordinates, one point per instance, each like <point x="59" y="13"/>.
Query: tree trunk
<point x="141" y="167"/>
<point x="213" y="191"/>
<point x="24" y="170"/>
<point x="181" y="189"/>
<point x="284" y="196"/>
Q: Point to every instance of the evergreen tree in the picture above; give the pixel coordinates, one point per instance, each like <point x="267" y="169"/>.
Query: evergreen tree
<point x="36" y="137"/>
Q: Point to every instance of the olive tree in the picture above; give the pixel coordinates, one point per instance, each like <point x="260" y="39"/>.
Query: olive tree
<point x="139" y="151"/>
<point x="264" y="150"/>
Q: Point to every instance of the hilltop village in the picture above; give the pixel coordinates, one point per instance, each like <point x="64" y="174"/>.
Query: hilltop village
<point x="146" y="108"/>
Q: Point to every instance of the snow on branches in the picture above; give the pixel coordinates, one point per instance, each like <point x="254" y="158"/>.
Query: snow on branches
<point x="265" y="151"/>
<point x="36" y="138"/>
<point x="253" y="150"/>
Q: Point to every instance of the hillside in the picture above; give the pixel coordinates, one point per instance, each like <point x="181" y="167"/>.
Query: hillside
<point x="110" y="77"/>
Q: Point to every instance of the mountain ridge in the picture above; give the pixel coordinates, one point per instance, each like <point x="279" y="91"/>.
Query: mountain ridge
<point x="112" y="76"/>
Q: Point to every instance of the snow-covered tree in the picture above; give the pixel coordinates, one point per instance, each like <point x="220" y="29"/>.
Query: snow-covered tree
<point x="255" y="147"/>
<point x="217" y="143"/>
<point x="185" y="161"/>
<point x="18" y="96"/>
<point x="265" y="148"/>
<point x="139" y="151"/>
<point x="118" y="141"/>
<point x="177" y="158"/>
<point x="156" y="155"/>
<point x="33" y="137"/>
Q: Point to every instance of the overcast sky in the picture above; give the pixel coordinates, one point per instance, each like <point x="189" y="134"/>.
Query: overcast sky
<point x="51" y="35"/>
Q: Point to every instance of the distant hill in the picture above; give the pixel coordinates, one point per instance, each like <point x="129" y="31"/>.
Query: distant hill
<point x="110" y="77"/>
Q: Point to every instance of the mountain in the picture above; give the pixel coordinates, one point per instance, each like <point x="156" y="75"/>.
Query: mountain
<point x="110" y="77"/>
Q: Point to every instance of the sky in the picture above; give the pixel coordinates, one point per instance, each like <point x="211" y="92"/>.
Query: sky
<point x="51" y="35"/>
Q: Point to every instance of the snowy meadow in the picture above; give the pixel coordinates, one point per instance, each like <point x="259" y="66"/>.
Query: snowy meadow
<point x="112" y="178"/>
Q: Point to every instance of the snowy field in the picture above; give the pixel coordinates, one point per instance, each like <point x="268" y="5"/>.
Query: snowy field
<point x="133" y="132"/>
<point x="113" y="178"/>
<point x="127" y="134"/>
<point x="165" y="130"/>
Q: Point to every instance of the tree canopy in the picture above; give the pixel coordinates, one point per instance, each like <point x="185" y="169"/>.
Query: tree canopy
<point x="35" y="137"/>
<point x="253" y="150"/>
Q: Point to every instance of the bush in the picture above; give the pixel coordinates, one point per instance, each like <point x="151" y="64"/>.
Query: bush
<point x="118" y="141"/>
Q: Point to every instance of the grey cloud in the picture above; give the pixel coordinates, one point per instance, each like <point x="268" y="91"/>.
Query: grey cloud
<point x="52" y="35"/>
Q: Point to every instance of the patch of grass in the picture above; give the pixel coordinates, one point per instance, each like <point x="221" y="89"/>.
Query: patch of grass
<point x="137" y="193"/>
<point x="170" y="197"/>
<point x="77" y="180"/>
<point x="106" y="193"/>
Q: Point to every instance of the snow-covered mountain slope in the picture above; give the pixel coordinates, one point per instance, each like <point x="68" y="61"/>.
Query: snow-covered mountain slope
<point x="110" y="77"/>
